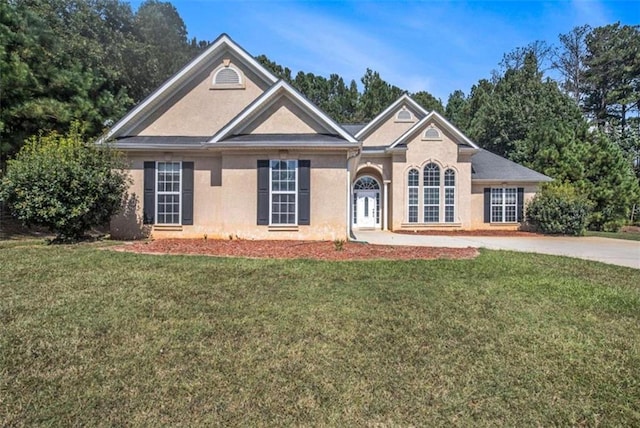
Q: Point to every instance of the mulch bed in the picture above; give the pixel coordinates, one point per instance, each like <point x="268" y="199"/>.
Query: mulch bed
<point x="317" y="250"/>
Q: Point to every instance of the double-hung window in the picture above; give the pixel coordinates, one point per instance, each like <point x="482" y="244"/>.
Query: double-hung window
<point x="449" y="195"/>
<point x="431" y="193"/>
<point x="284" y="192"/>
<point x="168" y="192"/>
<point x="283" y="179"/>
<point x="504" y="205"/>
<point x="413" y="181"/>
<point x="438" y="203"/>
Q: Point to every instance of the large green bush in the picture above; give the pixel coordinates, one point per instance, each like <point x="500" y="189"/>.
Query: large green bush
<point x="559" y="209"/>
<point x="64" y="184"/>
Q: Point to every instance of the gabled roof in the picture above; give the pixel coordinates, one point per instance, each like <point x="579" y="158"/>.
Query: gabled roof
<point x="268" y="98"/>
<point x="182" y="77"/>
<point x="487" y="166"/>
<point x="444" y="123"/>
<point x="379" y="119"/>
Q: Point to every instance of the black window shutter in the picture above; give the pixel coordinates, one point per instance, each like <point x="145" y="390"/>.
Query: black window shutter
<point x="263" y="192"/>
<point x="487" y="204"/>
<point x="187" y="193"/>
<point x="520" y="202"/>
<point x="304" y="192"/>
<point x="149" y="200"/>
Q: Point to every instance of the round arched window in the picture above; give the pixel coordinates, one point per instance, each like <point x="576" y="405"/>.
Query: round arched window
<point x="366" y="183"/>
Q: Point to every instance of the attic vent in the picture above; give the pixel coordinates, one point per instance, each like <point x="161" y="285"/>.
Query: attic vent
<point x="432" y="134"/>
<point x="404" y="115"/>
<point x="227" y="77"/>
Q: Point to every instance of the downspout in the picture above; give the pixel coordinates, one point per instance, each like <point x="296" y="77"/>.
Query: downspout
<point x="350" y="155"/>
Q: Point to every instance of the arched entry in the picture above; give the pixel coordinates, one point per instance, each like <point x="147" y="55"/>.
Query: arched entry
<point x="366" y="202"/>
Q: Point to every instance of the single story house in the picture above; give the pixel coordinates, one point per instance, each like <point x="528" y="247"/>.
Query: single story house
<point x="225" y="149"/>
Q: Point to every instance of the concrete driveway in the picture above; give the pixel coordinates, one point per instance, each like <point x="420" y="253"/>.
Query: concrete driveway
<point x="613" y="251"/>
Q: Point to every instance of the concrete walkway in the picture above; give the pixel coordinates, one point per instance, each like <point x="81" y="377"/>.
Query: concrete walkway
<point x="613" y="251"/>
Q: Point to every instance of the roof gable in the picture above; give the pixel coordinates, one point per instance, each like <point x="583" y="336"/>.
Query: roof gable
<point x="434" y="117"/>
<point x="281" y="99"/>
<point x="380" y="119"/>
<point x="283" y="116"/>
<point x="167" y="91"/>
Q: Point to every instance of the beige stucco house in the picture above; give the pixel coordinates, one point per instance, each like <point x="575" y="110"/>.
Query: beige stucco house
<point x="225" y="149"/>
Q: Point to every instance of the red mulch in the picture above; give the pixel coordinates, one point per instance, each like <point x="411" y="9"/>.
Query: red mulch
<point x="318" y="250"/>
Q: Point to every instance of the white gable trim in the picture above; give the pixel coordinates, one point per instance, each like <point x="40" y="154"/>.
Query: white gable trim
<point x="175" y="82"/>
<point x="435" y="116"/>
<point x="378" y="120"/>
<point x="268" y="98"/>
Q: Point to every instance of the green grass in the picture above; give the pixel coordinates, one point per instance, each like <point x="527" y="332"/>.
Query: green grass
<point x="90" y="337"/>
<point x="630" y="236"/>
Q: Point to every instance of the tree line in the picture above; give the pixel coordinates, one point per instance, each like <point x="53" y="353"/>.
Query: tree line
<point x="82" y="60"/>
<point x="569" y="109"/>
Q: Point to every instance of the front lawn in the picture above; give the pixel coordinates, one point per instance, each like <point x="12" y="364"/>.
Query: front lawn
<point x="94" y="337"/>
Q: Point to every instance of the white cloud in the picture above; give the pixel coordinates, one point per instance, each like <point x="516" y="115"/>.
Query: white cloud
<point x="324" y="44"/>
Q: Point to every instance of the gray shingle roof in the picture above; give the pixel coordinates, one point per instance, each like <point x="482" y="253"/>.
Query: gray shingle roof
<point x="353" y="128"/>
<point x="152" y="141"/>
<point x="311" y="140"/>
<point x="489" y="166"/>
<point x="188" y="142"/>
<point x="287" y="138"/>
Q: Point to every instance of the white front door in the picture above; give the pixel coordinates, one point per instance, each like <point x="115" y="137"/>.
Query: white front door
<point x="366" y="208"/>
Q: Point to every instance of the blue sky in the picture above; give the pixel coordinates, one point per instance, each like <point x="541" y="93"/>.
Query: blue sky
<point x="438" y="46"/>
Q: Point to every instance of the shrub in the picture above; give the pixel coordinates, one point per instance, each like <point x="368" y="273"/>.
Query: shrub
<point x="62" y="183"/>
<point x="558" y="209"/>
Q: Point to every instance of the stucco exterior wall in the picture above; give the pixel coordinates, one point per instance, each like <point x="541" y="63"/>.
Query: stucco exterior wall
<point x="477" y="205"/>
<point x="380" y="164"/>
<point x="202" y="110"/>
<point x="419" y="152"/>
<point x="225" y="199"/>
<point x="387" y="132"/>
<point x="284" y="117"/>
<point x="128" y="223"/>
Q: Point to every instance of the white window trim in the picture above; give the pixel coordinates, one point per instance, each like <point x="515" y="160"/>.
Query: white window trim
<point x="445" y="187"/>
<point x="283" y="192"/>
<point x="179" y="193"/>
<point x="503" y="205"/>
<point x="409" y="204"/>
<point x="424" y="194"/>
<point x="442" y="205"/>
